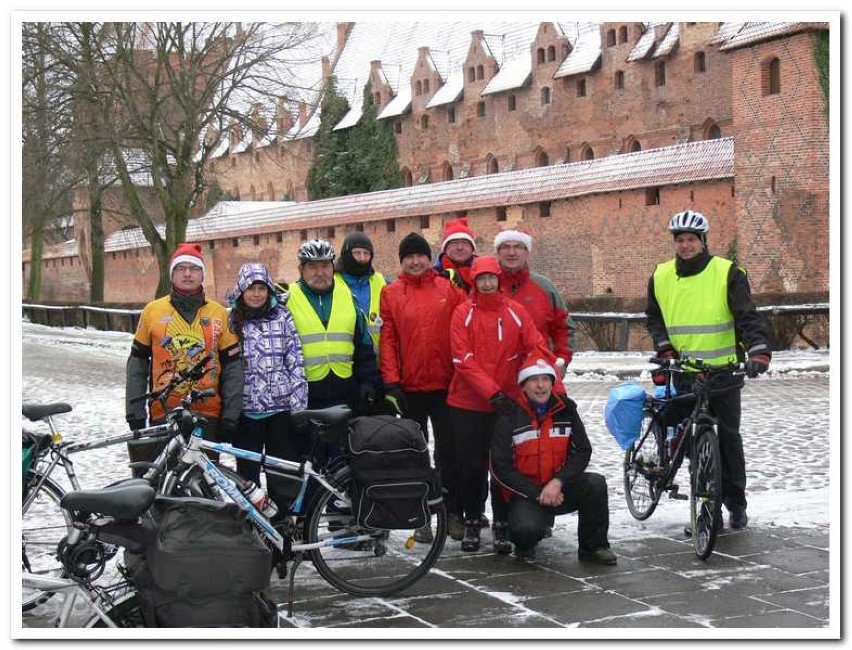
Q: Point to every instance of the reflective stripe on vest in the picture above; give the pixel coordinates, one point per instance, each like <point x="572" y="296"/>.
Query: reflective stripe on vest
<point x="325" y="350"/>
<point x="695" y="311"/>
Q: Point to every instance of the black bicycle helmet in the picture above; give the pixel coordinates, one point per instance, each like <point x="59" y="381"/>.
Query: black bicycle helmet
<point x="316" y="250"/>
<point x="689" y="221"/>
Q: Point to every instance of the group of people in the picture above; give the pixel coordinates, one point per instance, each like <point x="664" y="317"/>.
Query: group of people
<point x="475" y="345"/>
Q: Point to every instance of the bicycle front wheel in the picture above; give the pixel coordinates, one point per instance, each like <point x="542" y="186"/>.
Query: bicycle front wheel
<point x="44" y="524"/>
<point x="643" y="470"/>
<point x="705" y="504"/>
<point x="125" y="612"/>
<point x="387" y="563"/>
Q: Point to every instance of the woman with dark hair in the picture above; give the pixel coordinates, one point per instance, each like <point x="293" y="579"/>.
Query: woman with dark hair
<point x="275" y="381"/>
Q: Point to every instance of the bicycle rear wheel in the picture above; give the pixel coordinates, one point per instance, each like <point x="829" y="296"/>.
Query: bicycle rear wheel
<point x="705" y="503"/>
<point x="44" y="525"/>
<point x="387" y="563"/>
<point x="643" y="470"/>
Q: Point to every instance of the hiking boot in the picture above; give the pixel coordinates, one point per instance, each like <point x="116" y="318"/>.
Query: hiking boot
<point x="500" y="534"/>
<point x="470" y="541"/>
<point x="738" y="518"/>
<point x="525" y="554"/>
<point x="455" y="527"/>
<point x="424" y="535"/>
<point x="600" y="555"/>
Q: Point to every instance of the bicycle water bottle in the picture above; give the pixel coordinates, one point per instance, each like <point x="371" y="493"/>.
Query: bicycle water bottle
<point x="257" y="495"/>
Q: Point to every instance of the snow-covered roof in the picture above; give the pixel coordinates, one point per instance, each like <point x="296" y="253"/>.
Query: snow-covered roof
<point x="669" y="42"/>
<point x="586" y="51"/>
<point x="751" y="33"/>
<point x="645" y="45"/>
<point x="450" y="91"/>
<point x="513" y="74"/>
<point x="398" y="105"/>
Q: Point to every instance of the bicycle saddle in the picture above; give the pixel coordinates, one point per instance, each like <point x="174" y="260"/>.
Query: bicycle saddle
<point x="120" y="501"/>
<point x="36" y="412"/>
<point x="328" y="416"/>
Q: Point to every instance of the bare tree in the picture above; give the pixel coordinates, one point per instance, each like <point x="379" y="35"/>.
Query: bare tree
<point x="177" y="89"/>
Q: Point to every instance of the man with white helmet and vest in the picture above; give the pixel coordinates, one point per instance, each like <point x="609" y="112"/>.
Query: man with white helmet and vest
<point x="539" y="454"/>
<point x="340" y="363"/>
<point x="700" y="305"/>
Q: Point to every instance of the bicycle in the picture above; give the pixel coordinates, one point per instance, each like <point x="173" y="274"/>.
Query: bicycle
<point x="44" y="523"/>
<point x="652" y="462"/>
<point x="111" y="517"/>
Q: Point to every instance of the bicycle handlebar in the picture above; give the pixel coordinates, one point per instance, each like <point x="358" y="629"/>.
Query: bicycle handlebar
<point x="695" y="363"/>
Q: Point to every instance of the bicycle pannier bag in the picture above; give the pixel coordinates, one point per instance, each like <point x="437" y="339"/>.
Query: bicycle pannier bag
<point x="206" y="548"/>
<point x="393" y="480"/>
<point x="29" y="446"/>
<point x="624" y="411"/>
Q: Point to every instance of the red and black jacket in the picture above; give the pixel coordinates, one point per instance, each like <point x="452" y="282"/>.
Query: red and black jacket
<point x="528" y="451"/>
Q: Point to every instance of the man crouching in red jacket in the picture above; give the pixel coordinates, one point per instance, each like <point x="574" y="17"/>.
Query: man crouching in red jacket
<point x="539" y="454"/>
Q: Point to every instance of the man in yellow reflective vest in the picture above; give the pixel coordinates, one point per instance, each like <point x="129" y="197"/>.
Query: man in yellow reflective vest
<point x="700" y="305"/>
<point x="340" y="363"/>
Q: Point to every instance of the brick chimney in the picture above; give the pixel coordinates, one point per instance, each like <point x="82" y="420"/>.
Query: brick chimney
<point x="342" y="33"/>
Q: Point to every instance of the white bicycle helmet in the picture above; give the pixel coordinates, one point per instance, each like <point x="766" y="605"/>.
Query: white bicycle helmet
<point x="689" y="221"/>
<point x="316" y="250"/>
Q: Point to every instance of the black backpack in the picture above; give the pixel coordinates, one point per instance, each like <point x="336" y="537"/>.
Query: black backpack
<point x="393" y="480"/>
<point x="205" y="568"/>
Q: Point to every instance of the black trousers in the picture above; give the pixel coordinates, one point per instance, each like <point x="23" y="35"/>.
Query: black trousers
<point x="727" y="407"/>
<point x="472" y="432"/>
<point x="432" y="406"/>
<point x="587" y="495"/>
<point x="274" y="435"/>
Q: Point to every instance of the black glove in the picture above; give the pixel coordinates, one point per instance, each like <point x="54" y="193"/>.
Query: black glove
<point x="136" y="423"/>
<point x="366" y="396"/>
<point x="756" y="365"/>
<point x="667" y="353"/>
<point x="502" y="404"/>
<point x="395" y="396"/>
<point x="227" y="431"/>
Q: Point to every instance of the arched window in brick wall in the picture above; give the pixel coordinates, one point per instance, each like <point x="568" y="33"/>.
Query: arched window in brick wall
<point x="610" y="37"/>
<point x="378" y="99"/>
<point x="252" y="193"/>
<point x="545" y="96"/>
<point x="418" y="88"/>
<point x="491" y="166"/>
<point x="551" y="53"/>
<point x="712" y="130"/>
<point x="424" y="122"/>
<point x="699" y="63"/>
<point x="426" y="86"/>
<point x="660" y="73"/>
<point x="539" y="53"/>
<point x="270" y="192"/>
<point x="622" y="34"/>
<point x="631" y="144"/>
<point x="236" y="193"/>
<point x="471" y="74"/>
<point x="587" y="153"/>
<point x="480" y="72"/>
<point x="291" y="192"/>
<point x="447" y="172"/>
<point x="619" y="79"/>
<point x="541" y="158"/>
<point x="407" y="180"/>
<point x="771" y="76"/>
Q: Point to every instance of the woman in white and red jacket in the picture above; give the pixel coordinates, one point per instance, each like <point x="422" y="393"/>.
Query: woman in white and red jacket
<point x="490" y="338"/>
<point x="539" y="455"/>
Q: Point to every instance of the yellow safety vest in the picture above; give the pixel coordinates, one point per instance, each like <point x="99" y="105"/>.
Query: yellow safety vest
<point x="695" y="311"/>
<point x="374" y="321"/>
<point x="331" y="349"/>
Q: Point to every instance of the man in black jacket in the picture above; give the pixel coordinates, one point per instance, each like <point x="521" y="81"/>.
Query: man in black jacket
<point x="699" y="305"/>
<point x="539" y="454"/>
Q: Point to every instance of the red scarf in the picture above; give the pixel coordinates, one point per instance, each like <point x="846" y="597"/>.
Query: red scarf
<point x="463" y="271"/>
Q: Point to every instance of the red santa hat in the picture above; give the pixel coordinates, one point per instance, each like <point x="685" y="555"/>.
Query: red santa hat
<point x="512" y="234"/>
<point x="457" y="229"/>
<point x="540" y="367"/>
<point x="187" y="253"/>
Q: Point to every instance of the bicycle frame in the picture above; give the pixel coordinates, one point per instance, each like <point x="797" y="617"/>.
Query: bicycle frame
<point x="193" y="454"/>
<point x="70" y="590"/>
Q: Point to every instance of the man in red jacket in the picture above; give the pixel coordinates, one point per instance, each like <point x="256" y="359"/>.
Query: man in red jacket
<point x="536" y="293"/>
<point x="539" y="455"/>
<point x="415" y="358"/>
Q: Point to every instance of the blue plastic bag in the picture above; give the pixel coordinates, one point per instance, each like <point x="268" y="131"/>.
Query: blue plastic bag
<point x="623" y="412"/>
